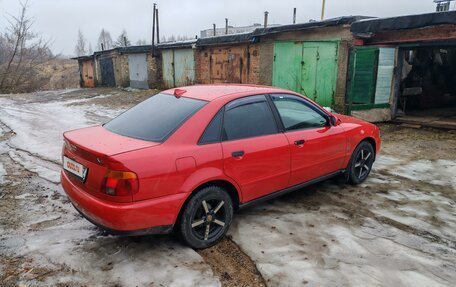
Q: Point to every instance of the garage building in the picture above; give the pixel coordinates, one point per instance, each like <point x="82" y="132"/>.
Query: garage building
<point x="404" y="68"/>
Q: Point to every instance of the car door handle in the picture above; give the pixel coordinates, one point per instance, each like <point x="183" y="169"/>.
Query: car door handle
<point x="237" y="153"/>
<point x="299" y="142"/>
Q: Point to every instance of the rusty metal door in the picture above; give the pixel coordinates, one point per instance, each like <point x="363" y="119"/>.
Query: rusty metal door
<point x="107" y="72"/>
<point x="168" y="68"/>
<point x="184" y="67"/>
<point x="87" y="74"/>
<point x="229" y="65"/>
<point x="137" y="66"/>
<point x="217" y="70"/>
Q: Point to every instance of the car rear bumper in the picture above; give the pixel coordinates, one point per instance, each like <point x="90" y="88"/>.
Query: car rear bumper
<point x="153" y="216"/>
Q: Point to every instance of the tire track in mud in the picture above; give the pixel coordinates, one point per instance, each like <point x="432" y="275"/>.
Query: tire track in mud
<point x="231" y="265"/>
<point x="9" y="133"/>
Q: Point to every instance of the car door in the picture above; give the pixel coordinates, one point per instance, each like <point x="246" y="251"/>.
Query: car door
<point x="255" y="154"/>
<point x="317" y="147"/>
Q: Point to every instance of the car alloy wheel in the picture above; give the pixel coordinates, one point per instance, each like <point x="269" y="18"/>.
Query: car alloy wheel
<point x="361" y="163"/>
<point x="209" y="219"/>
<point x="206" y="217"/>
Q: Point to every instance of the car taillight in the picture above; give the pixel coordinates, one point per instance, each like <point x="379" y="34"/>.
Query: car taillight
<point x="120" y="183"/>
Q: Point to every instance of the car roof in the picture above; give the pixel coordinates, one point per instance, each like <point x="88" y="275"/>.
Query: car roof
<point x="214" y="91"/>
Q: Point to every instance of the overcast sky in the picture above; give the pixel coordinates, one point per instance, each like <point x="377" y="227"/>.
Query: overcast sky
<point x="59" y="20"/>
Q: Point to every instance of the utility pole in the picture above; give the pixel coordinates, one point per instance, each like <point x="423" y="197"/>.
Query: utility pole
<point x="294" y="15"/>
<point x="158" y="30"/>
<point x="153" y="30"/>
<point x="226" y="26"/>
<point x="323" y="10"/>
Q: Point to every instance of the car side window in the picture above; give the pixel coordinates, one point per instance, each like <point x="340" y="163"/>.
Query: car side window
<point x="213" y="130"/>
<point x="296" y="114"/>
<point x="248" y="117"/>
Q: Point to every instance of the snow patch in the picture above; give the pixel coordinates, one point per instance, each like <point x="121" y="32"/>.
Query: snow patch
<point x="2" y="173"/>
<point x="439" y="172"/>
<point x="98" y="260"/>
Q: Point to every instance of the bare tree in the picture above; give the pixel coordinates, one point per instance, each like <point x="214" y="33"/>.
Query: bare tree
<point x="104" y="40"/>
<point x="173" y="38"/>
<point x="122" y="40"/>
<point x="22" y="53"/>
<point x="141" y="42"/>
<point x="81" y="45"/>
<point x="90" y="49"/>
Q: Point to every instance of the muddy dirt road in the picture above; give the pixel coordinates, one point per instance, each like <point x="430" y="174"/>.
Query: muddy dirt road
<point x="397" y="229"/>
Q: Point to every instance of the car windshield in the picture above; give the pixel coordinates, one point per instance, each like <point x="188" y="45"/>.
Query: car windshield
<point x="156" y="118"/>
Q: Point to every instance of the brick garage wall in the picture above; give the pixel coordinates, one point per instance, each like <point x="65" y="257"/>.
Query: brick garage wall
<point x="341" y="83"/>
<point x="154" y="71"/>
<point x="120" y="66"/>
<point x="254" y="69"/>
<point x="202" y="63"/>
<point x="121" y="71"/>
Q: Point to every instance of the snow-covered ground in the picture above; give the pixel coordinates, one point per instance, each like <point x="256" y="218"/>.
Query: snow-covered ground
<point x="396" y="229"/>
<point x="396" y="234"/>
<point x="50" y="234"/>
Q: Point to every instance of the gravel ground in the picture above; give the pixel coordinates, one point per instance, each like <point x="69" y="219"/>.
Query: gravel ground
<point x="396" y="229"/>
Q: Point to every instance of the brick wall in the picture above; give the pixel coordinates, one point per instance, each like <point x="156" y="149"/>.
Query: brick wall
<point x="154" y="71"/>
<point x="121" y="71"/>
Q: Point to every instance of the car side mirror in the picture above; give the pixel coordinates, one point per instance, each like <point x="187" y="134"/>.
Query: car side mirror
<point x="335" y="121"/>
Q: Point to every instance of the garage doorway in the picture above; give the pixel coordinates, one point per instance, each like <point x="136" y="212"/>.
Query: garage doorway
<point x="309" y="68"/>
<point x="107" y="72"/>
<point x="427" y="90"/>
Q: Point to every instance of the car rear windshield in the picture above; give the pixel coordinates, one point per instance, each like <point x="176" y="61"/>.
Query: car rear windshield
<point x="156" y="118"/>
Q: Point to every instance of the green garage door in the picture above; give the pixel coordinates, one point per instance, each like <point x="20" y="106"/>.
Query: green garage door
<point x="362" y="73"/>
<point x="370" y="76"/>
<point x="309" y="68"/>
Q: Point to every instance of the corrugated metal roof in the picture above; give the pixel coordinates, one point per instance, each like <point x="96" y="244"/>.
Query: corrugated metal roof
<point x="88" y="57"/>
<point x="345" y="20"/>
<point x="177" y="44"/>
<point x="225" y="39"/>
<point x="403" y="22"/>
<point x="251" y="37"/>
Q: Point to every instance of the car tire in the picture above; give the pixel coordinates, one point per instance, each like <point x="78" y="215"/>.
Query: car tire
<point x="206" y="217"/>
<point x="361" y="163"/>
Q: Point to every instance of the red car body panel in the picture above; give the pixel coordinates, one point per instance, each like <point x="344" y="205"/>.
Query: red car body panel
<point x="136" y="216"/>
<point x="323" y="152"/>
<point x="263" y="169"/>
<point x="170" y="171"/>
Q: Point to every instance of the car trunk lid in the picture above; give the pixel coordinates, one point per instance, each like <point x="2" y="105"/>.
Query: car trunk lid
<point x="93" y="148"/>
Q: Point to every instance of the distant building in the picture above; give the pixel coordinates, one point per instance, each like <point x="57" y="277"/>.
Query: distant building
<point x="232" y="30"/>
<point x="442" y="5"/>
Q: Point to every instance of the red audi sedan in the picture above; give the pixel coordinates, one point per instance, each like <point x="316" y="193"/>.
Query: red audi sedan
<point x="187" y="158"/>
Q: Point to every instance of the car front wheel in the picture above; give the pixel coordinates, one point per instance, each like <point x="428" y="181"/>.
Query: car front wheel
<point x="361" y="163"/>
<point x="206" y="217"/>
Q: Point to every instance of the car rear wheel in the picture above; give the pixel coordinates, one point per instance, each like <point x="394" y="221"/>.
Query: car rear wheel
<point x="361" y="163"/>
<point x="206" y="217"/>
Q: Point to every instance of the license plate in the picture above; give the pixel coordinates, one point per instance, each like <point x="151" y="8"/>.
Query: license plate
<point x="75" y="168"/>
